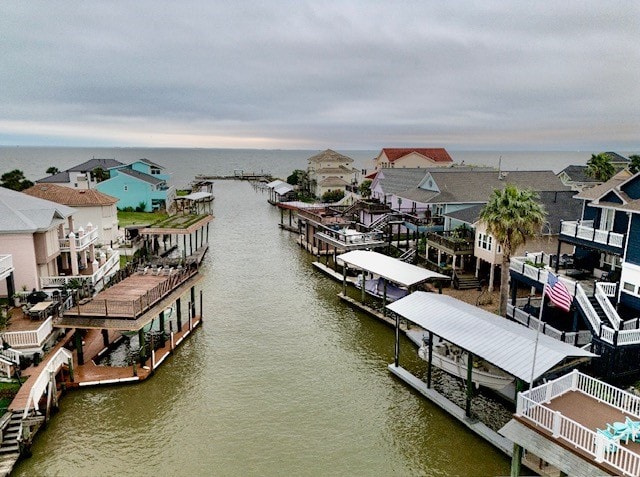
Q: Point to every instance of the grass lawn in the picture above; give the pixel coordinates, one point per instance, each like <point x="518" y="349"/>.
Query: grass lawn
<point x="139" y="218"/>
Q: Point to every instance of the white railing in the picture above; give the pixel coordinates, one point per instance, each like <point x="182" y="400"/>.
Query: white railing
<point x="6" y="264"/>
<point x="531" y="406"/>
<point x="518" y="264"/>
<point x="29" y="339"/>
<point x="60" y="358"/>
<point x="60" y="281"/>
<point x="585" y="231"/>
<point x="81" y="242"/>
<point x="11" y="354"/>
<point x="607" y="306"/>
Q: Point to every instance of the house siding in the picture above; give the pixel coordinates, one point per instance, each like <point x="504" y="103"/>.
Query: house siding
<point x="590" y="213"/>
<point x="632" y="189"/>
<point x="136" y="191"/>
<point x="633" y="243"/>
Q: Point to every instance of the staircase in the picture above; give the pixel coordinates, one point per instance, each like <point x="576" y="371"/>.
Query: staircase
<point x="10" y="449"/>
<point x="408" y="256"/>
<point x="599" y="311"/>
<point x="466" y="282"/>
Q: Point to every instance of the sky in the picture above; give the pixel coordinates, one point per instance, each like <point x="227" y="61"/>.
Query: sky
<point x="490" y="75"/>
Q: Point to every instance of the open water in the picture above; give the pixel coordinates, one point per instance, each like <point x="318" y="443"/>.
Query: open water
<point x="283" y="378"/>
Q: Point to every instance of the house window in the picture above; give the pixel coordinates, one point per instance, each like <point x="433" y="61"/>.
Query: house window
<point x="155" y="171"/>
<point x="126" y="188"/>
<point x="630" y="287"/>
<point x="606" y="222"/>
<point x="485" y="241"/>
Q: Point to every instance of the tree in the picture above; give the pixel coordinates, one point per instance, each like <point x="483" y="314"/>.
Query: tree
<point x="53" y="170"/>
<point x="15" y="180"/>
<point x="600" y="168"/>
<point x="332" y="196"/>
<point x="365" y="188"/>
<point x="634" y="165"/>
<point x="99" y="174"/>
<point x="512" y="215"/>
<point x="296" y="177"/>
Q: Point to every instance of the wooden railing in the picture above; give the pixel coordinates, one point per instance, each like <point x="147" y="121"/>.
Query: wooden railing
<point x="585" y="231"/>
<point x="451" y="242"/>
<point x="531" y="406"/>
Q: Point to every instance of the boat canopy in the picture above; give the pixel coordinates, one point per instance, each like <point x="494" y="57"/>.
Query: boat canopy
<point x="506" y="344"/>
<point x="196" y="196"/>
<point x="390" y="268"/>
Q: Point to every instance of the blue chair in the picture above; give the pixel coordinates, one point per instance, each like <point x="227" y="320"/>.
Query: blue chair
<point x="612" y="438"/>
<point x="633" y="429"/>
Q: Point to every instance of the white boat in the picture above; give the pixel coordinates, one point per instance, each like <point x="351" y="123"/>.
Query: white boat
<point x="375" y="287"/>
<point x="453" y="360"/>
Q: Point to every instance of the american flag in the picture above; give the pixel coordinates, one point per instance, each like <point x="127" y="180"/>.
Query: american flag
<point x="558" y="293"/>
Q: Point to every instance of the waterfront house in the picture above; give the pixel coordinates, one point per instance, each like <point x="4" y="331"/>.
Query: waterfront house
<point x="329" y="171"/>
<point x="400" y="158"/>
<point x="141" y="185"/>
<point x="577" y="178"/>
<point x="602" y="275"/>
<point x="83" y="176"/>
<point x="47" y="246"/>
<point x="91" y="206"/>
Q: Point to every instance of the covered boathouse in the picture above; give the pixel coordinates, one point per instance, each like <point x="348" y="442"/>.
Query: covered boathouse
<point x="507" y="345"/>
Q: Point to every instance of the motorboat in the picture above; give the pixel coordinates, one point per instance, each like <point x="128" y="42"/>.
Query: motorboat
<point x="453" y="360"/>
<point x="375" y="287"/>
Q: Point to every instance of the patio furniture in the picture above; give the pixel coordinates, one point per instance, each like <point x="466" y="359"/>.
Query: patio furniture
<point x="40" y="310"/>
<point x="633" y="428"/>
<point x="614" y="441"/>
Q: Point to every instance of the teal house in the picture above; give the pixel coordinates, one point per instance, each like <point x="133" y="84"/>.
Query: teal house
<point x="142" y="184"/>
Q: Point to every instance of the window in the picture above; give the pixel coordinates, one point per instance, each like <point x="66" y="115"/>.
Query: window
<point x="630" y="287"/>
<point x="126" y="188"/>
<point x="485" y="241"/>
<point x="155" y="171"/>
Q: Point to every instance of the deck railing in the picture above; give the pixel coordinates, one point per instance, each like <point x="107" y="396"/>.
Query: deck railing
<point x="351" y="238"/>
<point x="584" y="230"/>
<point x="81" y="242"/>
<point x="6" y="263"/>
<point x="29" y="339"/>
<point x="540" y="274"/>
<point x="62" y="280"/>
<point x="602" y="293"/>
<point x="450" y="241"/>
<point x="60" y="358"/>
<point x="531" y="406"/>
<point x="576" y="338"/>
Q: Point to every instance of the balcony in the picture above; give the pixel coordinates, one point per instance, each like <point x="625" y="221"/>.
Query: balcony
<point x="81" y="240"/>
<point x="6" y="266"/>
<point x="89" y="274"/>
<point x="583" y="233"/>
<point x="27" y="334"/>
<point x="570" y="409"/>
<point x="451" y="243"/>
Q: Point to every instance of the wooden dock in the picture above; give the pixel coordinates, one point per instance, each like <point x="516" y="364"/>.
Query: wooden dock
<point x="239" y="175"/>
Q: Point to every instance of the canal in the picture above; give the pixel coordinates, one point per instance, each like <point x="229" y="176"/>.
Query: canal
<point x="282" y="379"/>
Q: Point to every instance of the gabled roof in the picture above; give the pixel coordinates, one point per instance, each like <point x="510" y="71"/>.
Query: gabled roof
<point x="595" y="193"/>
<point x="20" y="213"/>
<point x="502" y="342"/>
<point x="59" y="178"/>
<point x="463" y="185"/>
<point x="69" y="196"/>
<point x="394" y="181"/>
<point x="616" y="158"/>
<point x="438" y="154"/>
<point x="470" y="215"/>
<point x="149" y="163"/>
<point x="91" y="164"/>
<point x="333" y="181"/>
<point x="329" y="155"/>
<point x="141" y="176"/>
<point x="578" y="174"/>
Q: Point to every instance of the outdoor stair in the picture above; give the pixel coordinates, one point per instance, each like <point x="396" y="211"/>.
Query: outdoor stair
<point x="466" y="282"/>
<point x="601" y="313"/>
<point x="408" y="256"/>
<point x="10" y="449"/>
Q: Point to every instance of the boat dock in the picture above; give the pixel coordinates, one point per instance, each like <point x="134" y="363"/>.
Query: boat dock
<point x="240" y="175"/>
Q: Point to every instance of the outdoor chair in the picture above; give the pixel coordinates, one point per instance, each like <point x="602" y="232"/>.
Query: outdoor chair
<point x="613" y="440"/>
<point x="633" y="429"/>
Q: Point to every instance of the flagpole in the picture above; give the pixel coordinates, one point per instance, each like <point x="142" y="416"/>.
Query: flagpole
<point x="535" y="348"/>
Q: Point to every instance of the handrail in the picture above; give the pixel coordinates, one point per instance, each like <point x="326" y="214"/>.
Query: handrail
<point x="584" y="230"/>
<point x="607" y="306"/>
<point x="29" y="338"/>
<point x="60" y="358"/>
<point x="61" y="280"/>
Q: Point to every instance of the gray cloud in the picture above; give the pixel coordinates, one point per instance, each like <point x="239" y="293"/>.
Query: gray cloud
<point x="331" y="74"/>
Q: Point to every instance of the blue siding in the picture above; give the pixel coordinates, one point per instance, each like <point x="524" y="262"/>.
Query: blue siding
<point x="590" y="213"/>
<point x="630" y="301"/>
<point x="632" y="188"/>
<point x="130" y="191"/>
<point x="611" y="197"/>
<point x="621" y="222"/>
<point x="633" y="241"/>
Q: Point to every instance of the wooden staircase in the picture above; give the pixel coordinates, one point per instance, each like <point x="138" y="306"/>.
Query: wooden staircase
<point x="466" y="282"/>
<point x="10" y="448"/>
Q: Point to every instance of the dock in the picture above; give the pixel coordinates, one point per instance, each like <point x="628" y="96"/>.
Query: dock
<point x="239" y="175"/>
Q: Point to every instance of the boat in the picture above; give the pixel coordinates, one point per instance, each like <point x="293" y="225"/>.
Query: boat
<point x="375" y="287"/>
<point x="453" y="360"/>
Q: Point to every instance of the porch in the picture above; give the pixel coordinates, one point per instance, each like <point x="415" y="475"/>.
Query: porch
<point x="570" y="410"/>
<point x="90" y="273"/>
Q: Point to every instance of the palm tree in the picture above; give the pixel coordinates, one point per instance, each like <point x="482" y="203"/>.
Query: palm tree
<point x="600" y="168"/>
<point x="53" y="170"/>
<point x="512" y="215"/>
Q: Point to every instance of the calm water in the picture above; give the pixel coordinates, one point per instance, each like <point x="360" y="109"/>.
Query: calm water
<point x="283" y="379"/>
<point x="184" y="164"/>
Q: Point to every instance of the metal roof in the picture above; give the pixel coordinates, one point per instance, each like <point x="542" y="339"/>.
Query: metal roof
<point x="276" y="183"/>
<point x="283" y="189"/>
<point x="504" y="343"/>
<point x="196" y="196"/>
<point x="392" y="269"/>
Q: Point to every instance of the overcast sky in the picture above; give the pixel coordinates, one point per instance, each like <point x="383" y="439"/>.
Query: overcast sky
<point x="558" y="75"/>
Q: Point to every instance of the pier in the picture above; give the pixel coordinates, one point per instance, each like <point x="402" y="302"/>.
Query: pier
<point x="239" y="175"/>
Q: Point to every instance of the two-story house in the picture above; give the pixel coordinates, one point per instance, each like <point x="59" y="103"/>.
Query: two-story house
<point x="412" y="158"/>
<point x="141" y="185"/>
<point x="602" y="275"/>
<point x="329" y="171"/>
<point x="91" y="207"/>
<point x="82" y="176"/>
<point x="47" y="246"/>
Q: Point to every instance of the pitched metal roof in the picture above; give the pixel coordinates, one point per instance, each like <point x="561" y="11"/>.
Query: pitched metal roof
<point x="392" y="269"/>
<point x="276" y="183"/>
<point x="22" y="213"/>
<point x="506" y="344"/>
<point x="141" y="176"/>
<point x="69" y="196"/>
